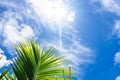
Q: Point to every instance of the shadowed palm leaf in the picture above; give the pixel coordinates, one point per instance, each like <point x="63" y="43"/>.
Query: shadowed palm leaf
<point x="34" y="63"/>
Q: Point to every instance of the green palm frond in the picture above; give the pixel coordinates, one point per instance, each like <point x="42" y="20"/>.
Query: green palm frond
<point x="35" y="63"/>
<point x="0" y="57"/>
<point x="4" y="72"/>
<point x="8" y="76"/>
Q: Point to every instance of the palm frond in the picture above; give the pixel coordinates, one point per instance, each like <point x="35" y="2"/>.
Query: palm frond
<point x="5" y="71"/>
<point x="0" y="57"/>
<point x="35" y="63"/>
<point x="9" y="76"/>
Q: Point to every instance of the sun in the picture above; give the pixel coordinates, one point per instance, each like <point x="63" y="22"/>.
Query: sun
<point x="53" y="12"/>
<point x="58" y="11"/>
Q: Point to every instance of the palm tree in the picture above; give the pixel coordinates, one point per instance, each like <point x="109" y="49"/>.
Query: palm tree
<point x="35" y="63"/>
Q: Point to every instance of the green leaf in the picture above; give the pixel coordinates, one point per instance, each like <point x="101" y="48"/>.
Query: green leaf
<point x="4" y="73"/>
<point x="35" y="63"/>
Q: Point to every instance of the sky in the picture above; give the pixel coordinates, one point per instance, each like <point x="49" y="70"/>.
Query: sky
<point x="86" y="32"/>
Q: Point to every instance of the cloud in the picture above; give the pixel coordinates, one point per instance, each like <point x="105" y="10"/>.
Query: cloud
<point x="76" y="52"/>
<point x="14" y="33"/>
<point x="116" y="28"/>
<point x="117" y="58"/>
<point x="1" y="51"/>
<point x="13" y="27"/>
<point x="112" y="6"/>
<point x="3" y="60"/>
<point x="117" y="78"/>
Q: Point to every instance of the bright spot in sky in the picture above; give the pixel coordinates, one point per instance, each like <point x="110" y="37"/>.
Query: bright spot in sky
<point x="54" y="12"/>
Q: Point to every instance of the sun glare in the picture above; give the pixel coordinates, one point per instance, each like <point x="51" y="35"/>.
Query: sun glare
<point x="53" y="11"/>
<point x="54" y="14"/>
<point x="59" y="11"/>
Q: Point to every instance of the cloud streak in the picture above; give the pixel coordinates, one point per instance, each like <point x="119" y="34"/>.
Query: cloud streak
<point x="112" y="6"/>
<point x="116" y="29"/>
<point x="117" y="58"/>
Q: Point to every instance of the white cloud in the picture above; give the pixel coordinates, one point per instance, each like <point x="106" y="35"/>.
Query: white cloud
<point x="117" y="58"/>
<point x="14" y="33"/>
<point x="110" y="5"/>
<point x="71" y="17"/>
<point x="117" y="78"/>
<point x="3" y="60"/>
<point x="117" y="55"/>
<point x="1" y="51"/>
<point x="116" y="29"/>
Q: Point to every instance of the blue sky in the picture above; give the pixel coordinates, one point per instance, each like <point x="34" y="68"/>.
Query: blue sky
<point x="87" y="32"/>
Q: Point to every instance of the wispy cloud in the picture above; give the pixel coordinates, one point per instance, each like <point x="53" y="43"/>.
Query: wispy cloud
<point x="116" y="29"/>
<point x="109" y="5"/>
<point x="12" y="25"/>
<point x="3" y="60"/>
<point x="117" y="58"/>
<point x="12" y="32"/>
<point x="75" y="53"/>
